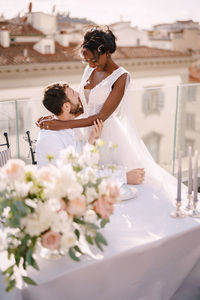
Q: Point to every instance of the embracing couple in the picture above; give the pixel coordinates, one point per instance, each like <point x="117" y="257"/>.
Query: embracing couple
<point x="103" y="96"/>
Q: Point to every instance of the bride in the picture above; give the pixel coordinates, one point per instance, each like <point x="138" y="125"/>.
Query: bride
<point x="105" y="95"/>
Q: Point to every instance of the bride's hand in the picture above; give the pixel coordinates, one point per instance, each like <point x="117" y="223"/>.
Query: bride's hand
<point x="42" y="119"/>
<point x="96" y="131"/>
<point x="51" y="124"/>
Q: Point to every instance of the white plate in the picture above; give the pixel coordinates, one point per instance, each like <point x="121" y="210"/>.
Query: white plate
<point x="127" y="192"/>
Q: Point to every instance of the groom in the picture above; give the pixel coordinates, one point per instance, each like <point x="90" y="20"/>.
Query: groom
<point x="65" y="104"/>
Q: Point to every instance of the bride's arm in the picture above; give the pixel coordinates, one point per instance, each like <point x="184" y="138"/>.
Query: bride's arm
<point x="108" y="108"/>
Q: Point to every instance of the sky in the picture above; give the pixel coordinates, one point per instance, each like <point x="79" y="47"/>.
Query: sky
<point x="141" y="13"/>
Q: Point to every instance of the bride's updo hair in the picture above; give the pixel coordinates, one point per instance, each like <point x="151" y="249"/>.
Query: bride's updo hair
<point x="99" y="40"/>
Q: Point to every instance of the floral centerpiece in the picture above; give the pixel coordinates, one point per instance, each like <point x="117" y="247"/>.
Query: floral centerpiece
<point x="53" y="206"/>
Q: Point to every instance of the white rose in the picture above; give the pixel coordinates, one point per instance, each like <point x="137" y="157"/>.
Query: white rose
<point x="61" y="222"/>
<point x="39" y="221"/>
<point x="103" y="187"/>
<point x="54" y="204"/>
<point x="64" y="185"/>
<point x="32" y="225"/>
<point x="68" y="240"/>
<point x="67" y="156"/>
<point x="91" y="217"/>
<point x="91" y="194"/>
<point x="89" y="157"/>
<point x="22" y="188"/>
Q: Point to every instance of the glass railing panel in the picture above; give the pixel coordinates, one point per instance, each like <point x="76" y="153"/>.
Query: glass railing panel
<point x="8" y="123"/>
<point x="188" y="123"/>
<point x="154" y="111"/>
<point x="28" y="112"/>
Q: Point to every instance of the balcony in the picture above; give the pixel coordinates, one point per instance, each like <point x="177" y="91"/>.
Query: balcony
<point x="167" y="119"/>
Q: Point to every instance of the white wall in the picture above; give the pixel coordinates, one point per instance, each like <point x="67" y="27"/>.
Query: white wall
<point x="62" y="39"/>
<point x="43" y="22"/>
<point x="43" y="43"/>
<point x="4" y="38"/>
<point x="161" y="44"/>
<point x="27" y="39"/>
<point x="129" y="36"/>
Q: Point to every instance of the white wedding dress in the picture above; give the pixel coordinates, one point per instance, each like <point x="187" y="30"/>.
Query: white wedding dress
<point x="119" y="129"/>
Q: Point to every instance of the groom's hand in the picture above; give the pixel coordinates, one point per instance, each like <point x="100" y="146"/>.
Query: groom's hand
<point x="135" y="176"/>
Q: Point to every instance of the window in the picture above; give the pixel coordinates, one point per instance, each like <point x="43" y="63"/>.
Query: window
<point x="191" y="93"/>
<point x="152" y="141"/>
<point x="190" y="121"/>
<point x="153" y="101"/>
<point x="138" y="42"/>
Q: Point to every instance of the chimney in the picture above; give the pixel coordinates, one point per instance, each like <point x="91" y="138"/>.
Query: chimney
<point x="4" y="37"/>
<point x="30" y="6"/>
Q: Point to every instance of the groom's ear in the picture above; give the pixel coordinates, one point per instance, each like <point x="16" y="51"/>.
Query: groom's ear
<point x="66" y="107"/>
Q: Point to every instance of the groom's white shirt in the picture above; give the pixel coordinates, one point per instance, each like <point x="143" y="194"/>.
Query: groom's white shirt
<point x="52" y="142"/>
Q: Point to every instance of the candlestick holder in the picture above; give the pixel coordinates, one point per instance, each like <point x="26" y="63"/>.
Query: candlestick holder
<point x="190" y="203"/>
<point x="195" y="213"/>
<point x="178" y="213"/>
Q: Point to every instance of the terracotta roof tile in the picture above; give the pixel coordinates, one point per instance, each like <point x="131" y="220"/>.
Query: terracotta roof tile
<point x="145" y="52"/>
<point x="15" y="54"/>
<point x="21" y="29"/>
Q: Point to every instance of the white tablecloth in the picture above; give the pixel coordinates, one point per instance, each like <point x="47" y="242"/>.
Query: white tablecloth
<point x="150" y="256"/>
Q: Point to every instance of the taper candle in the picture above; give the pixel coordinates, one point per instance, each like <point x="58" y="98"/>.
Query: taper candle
<point x="189" y="170"/>
<point x="195" y="181"/>
<point x="179" y="178"/>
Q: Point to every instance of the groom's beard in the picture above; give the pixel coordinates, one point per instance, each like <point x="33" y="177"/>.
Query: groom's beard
<point x="76" y="109"/>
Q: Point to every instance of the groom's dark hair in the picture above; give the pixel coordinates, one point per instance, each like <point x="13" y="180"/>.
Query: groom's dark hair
<point x="55" y="97"/>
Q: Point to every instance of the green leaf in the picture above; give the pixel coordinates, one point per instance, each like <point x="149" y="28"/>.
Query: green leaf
<point x="10" y="285"/>
<point x="78" y="249"/>
<point x="101" y="238"/>
<point x="17" y="258"/>
<point x="73" y="255"/>
<point x="34" y="264"/>
<point x="28" y="280"/>
<point x="98" y="243"/>
<point x="104" y="222"/>
<point x="29" y="258"/>
<point x="7" y="278"/>
<point x="77" y="233"/>
<point x="8" y="270"/>
<point x="79" y="221"/>
<point x="92" y="226"/>
<point x="89" y="239"/>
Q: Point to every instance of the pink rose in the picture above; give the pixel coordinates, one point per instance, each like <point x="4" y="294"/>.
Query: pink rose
<point x="77" y="206"/>
<point x="113" y="191"/>
<point x="51" y="240"/>
<point x="15" y="169"/>
<point x="104" y="206"/>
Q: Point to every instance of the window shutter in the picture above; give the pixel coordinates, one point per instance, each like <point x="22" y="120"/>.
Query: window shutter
<point x="145" y="103"/>
<point x="160" y="100"/>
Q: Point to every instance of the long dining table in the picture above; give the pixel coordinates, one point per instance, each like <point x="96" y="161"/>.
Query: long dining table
<point x="150" y="256"/>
